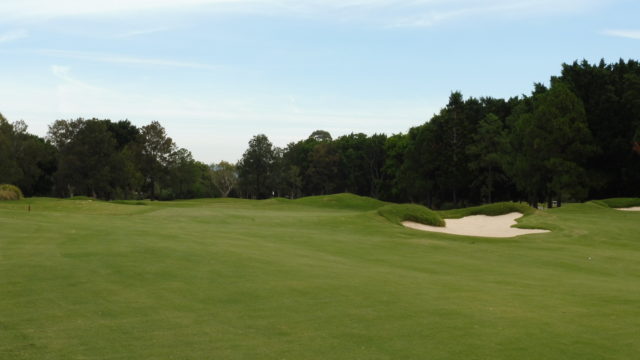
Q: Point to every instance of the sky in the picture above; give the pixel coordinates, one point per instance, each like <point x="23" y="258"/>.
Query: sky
<point x="215" y="73"/>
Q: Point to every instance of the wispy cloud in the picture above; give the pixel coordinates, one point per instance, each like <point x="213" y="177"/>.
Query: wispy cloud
<point x="13" y="35"/>
<point x="385" y="12"/>
<point x="628" y="34"/>
<point x="123" y="59"/>
<point x="141" y="32"/>
<point x="437" y="12"/>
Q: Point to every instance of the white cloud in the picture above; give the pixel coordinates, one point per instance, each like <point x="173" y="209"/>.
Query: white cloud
<point x="628" y="34"/>
<point x="123" y="59"/>
<point x="13" y="35"/>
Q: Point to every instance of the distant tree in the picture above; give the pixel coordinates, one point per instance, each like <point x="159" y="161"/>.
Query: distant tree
<point x="86" y="161"/>
<point x="320" y="136"/>
<point x="10" y="172"/>
<point x="183" y="175"/>
<point x="255" y="167"/>
<point x="225" y="177"/>
<point x="487" y="153"/>
<point x="549" y="144"/>
<point x="561" y="134"/>
<point x="324" y="163"/>
<point x="395" y="149"/>
<point x="157" y="148"/>
<point x="123" y="132"/>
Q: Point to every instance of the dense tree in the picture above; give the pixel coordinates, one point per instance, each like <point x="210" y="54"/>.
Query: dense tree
<point x="578" y="138"/>
<point x="255" y="167"/>
<point x="320" y="135"/>
<point x="487" y="152"/>
<point x="9" y="170"/>
<point x="324" y="165"/>
<point x="156" y="152"/>
<point x="87" y="160"/>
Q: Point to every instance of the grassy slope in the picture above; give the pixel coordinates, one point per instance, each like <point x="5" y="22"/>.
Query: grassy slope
<point x="274" y="279"/>
<point x="397" y="213"/>
<point x="618" y="202"/>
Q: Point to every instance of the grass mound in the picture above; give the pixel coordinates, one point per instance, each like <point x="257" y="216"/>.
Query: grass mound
<point x="10" y="192"/>
<point x="618" y="202"/>
<point x="495" y="209"/>
<point x="397" y="213"/>
<point x="80" y="197"/>
<point x="342" y="201"/>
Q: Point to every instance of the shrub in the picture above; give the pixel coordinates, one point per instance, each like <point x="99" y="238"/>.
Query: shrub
<point x="397" y="213"/>
<point x="10" y="192"/>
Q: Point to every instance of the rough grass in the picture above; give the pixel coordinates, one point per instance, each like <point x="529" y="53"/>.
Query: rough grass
<point x="494" y="209"/>
<point x="397" y="213"/>
<point x="239" y="279"/>
<point x="618" y="202"/>
<point x="10" y="192"/>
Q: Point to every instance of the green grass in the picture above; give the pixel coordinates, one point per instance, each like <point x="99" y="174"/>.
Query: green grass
<point x="397" y="213"/>
<point x="320" y="278"/>
<point x="494" y="209"/>
<point x="618" y="202"/>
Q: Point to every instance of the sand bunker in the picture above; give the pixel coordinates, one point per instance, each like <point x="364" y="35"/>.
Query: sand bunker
<point x="479" y="225"/>
<point x="635" y="208"/>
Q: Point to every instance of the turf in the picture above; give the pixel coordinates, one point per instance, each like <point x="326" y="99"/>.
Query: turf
<point x="397" y="213"/>
<point x="618" y="202"/>
<point x="310" y="279"/>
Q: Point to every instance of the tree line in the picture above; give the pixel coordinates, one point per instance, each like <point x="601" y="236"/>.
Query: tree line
<point x="575" y="139"/>
<point x="106" y="160"/>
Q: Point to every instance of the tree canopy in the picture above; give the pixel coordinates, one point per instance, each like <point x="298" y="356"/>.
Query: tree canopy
<point x="575" y="139"/>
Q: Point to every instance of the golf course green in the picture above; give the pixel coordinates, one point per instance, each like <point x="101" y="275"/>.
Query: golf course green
<point x="315" y="278"/>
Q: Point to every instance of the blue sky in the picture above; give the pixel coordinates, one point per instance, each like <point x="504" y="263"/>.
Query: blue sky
<point x="216" y="72"/>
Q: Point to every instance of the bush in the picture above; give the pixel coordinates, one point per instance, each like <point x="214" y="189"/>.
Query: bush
<point x="398" y="213"/>
<point x="10" y="192"/>
<point x="495" y="209"/>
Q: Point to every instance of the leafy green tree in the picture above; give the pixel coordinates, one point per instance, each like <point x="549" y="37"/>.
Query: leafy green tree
<point x="561" y="134"/>
<point x="86" y="161"/>
<point x="225" y="177"/>
<point x="255" y="167"/>
<point x="487" y="152"/>
<point x="324" y="163"/>
<point x="395" y="148"/>
<point x="156" y="152"/>
<point x="10" y="172"/>
<point x="320" y="136"/>
<point x="183" y="175"/>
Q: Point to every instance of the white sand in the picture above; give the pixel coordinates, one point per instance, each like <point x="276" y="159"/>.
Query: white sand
<point x="479" y="225"/>
<point x="635" y="208"/>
